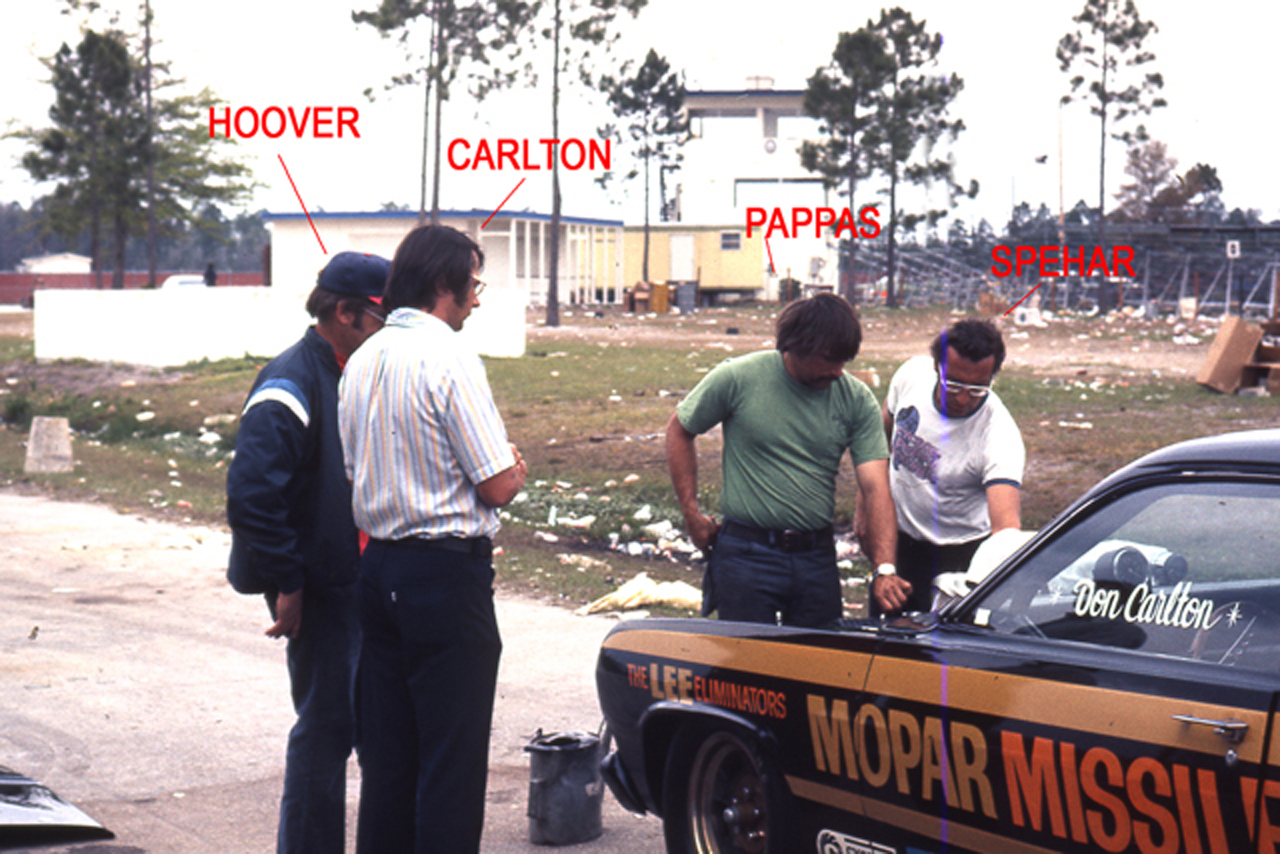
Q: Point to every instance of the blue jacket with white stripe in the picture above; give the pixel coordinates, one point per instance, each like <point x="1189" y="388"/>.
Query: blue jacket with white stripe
<point x="288" y="498"/>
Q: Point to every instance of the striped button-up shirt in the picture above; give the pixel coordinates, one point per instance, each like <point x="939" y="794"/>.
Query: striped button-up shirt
<point x="419" y="431"/>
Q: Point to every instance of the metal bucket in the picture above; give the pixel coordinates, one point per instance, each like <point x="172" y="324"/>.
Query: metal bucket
<point x="566" y="792"/>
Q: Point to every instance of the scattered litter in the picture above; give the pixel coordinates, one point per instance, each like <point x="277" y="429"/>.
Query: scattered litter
<point x="145" y="416"/>
<point x="1076" y="425"/>
<point x="584" y="522"/>
<point x="644" y="514"/>
<point x="663" y="530"/>
<point x="583" y="562"/>
<point x="545" y="537"/>
<point x="643" y="590"/>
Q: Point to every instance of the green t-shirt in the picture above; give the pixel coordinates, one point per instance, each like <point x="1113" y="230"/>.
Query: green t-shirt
<point x="783" y="440"/>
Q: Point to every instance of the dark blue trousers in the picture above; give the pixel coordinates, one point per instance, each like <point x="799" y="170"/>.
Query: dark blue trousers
<point x="756" y="583"/>
<point x="428" y="670"/>
<point x="322" y="668"/>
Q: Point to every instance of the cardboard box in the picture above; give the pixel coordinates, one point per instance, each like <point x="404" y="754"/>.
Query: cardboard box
<point x="1232" y="349"/>
<point x="1269" y="349"/>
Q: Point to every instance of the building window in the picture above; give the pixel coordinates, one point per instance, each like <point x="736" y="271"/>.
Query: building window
<point x="730" y="241"/>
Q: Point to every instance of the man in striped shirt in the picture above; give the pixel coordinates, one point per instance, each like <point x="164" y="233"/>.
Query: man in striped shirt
<point x="429" y="462"/>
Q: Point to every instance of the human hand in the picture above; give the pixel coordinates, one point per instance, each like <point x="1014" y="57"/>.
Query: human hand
<point x="521" y="471"/>
<point x="288" y="615"/>
<point x="702" y="530"/>
<point x="891" y="592"/>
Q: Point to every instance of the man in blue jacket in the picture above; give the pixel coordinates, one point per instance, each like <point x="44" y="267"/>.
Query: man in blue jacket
<point x="294" y="540"/>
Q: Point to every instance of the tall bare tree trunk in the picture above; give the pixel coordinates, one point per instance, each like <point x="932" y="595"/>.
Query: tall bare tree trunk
<point x="121" y="239"/>
<point x="151" y="161"/>
<point x="553" y="268"/>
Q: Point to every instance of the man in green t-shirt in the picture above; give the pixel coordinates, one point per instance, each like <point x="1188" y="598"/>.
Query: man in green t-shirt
<point x="788" y="417"/>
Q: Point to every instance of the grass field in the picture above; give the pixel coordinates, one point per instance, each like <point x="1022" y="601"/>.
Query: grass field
<point x="588" y="405"/>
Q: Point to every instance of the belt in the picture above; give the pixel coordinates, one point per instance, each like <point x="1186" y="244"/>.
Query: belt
<point x="481" y="547"/>
<point x="784" y="541"/>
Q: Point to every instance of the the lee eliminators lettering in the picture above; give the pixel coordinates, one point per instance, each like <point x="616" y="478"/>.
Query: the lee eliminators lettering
<point x="1176" y="608"/>
<point x="679" y="684"/>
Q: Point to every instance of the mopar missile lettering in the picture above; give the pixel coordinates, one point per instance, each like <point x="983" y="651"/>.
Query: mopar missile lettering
<point x="917" y="758"/>
<point x="1103" y="803"/>
<point x="1088" y="795"/>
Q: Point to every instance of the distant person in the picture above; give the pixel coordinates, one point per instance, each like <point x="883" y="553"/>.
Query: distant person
<point x="211" y="275"/>
<point x="294" y="539"/>
<point x="430" y="464"/>
<point x="956" y="462"/>
<point x="789" y="415"/>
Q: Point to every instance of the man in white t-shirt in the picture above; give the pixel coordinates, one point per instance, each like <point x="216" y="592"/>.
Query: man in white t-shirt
<point x="956" y="462"/>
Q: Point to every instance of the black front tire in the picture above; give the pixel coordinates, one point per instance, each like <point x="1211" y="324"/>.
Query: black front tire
<point x="722" y="795"/>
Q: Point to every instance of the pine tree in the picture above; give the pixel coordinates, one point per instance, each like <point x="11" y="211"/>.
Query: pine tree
<point x="651" y="104"/>
<point x="1108" y="62"/>
<point x="461" y="34"/>
<point x="842" y="96"/>
<point x="910" y="120"/>
<point x="579" y="31"/>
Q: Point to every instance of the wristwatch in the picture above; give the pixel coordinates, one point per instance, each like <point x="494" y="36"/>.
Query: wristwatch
<point x="886" y="569"/>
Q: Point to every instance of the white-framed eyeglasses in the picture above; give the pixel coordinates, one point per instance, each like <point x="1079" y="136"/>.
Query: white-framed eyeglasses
<point x="953" y="387"/>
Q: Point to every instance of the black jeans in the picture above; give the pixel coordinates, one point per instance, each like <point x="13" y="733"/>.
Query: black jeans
<point x="428" y="670"/>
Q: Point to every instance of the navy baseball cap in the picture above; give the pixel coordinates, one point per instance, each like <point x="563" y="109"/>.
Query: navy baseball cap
<point x="355" y="274"/>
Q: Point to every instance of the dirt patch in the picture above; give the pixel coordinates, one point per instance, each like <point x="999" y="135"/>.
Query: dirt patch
<point x="1065" y="346"/>
<point x="82" y="378"/>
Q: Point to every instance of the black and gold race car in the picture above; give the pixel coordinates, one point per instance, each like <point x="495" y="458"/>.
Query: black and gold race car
<point x="1111" y="686"/>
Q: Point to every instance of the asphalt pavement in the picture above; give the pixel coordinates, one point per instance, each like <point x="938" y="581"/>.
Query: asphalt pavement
<point x="138" y="686"/>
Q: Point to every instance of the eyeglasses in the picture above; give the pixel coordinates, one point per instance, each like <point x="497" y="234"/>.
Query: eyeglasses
<point x="954" y="388"/>
<point x="479" y="285"/>
<point x="381" y="318"/>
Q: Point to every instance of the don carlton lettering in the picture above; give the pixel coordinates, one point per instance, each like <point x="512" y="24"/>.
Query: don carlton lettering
<point x="1176" y="608"/>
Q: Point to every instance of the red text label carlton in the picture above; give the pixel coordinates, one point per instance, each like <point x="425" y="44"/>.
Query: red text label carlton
<point x="275" y="122"/>
<point x="820" y="218"/>
<point x="1051" y="261"/>
<point x="526" y="155"/>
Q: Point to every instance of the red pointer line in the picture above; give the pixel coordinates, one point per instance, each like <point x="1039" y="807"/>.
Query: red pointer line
<point x="499" y="207"/>
<point x="766" y="246"/>
<point x="304" y="207"/>
<point x="1021" y="301"/>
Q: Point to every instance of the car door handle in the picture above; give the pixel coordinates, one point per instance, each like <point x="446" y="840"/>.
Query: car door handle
<point x="1231" y="729"/>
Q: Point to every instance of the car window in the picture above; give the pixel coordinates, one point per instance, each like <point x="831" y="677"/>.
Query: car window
<point x="1188" y="569"/>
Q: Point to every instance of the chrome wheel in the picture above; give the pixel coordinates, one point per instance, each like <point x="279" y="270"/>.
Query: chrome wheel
<point x="727" y="806"/>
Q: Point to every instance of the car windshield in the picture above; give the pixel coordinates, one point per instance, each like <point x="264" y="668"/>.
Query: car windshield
<point x="1188" y="569"/>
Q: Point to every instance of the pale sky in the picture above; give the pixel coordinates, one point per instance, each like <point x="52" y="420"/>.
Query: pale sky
<point x="1217" y="61"/>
